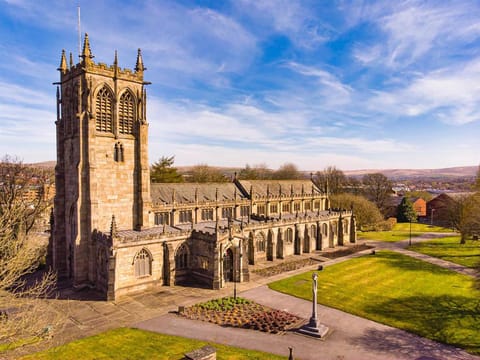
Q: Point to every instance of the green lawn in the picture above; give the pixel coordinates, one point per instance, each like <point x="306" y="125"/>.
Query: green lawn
<point x="449" y="248"/>
<point x="399" y="291"/>
<point x="125" y="343"/>
<point x="401" y="231"/>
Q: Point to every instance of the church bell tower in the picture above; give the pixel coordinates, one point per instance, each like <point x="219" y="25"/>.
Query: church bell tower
<point x="102" y="170"/>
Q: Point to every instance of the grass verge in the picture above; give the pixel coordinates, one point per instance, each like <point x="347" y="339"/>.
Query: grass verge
<point x="450" y="249"/>
<point x="399" y="291"/>
<point x="401" y="231"/>
<point x="126" y="343"/>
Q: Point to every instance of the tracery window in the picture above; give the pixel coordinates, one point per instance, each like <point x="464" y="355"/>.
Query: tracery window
<point x="285" y="207"/>
<point x="307" y="206"/>
<point x="104" y="110"/>
<point x="162" y="218"/>
<point x="324" y="229"/>
<point x="244" y="210"/>
<point x="296" y="206"/>
<point x="143" y="263"/>
<point x="126" y="113"/>
<point x="207" y="214"/>
<point x="181" y="258"/>
<point x="316" y="204"/>
<point x="227" y="212"/>
<point x="185" y="216"/>
<point x="274" y="208"/>
<point x="261" y="209"/>
<point x="260" y="242"/>
<point x="289" y="236"/>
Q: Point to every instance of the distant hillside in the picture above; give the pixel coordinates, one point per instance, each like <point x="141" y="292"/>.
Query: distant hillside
<point x="459" y="171"/>
<point x="44" y="164"/>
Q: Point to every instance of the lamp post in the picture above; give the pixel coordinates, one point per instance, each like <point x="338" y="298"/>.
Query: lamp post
<point x="410" y="238"/>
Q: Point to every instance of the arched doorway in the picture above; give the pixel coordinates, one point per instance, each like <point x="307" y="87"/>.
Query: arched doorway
<point x="228" y="265"/>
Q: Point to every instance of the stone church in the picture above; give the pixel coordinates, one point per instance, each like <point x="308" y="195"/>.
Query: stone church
<point x="115" y="231"/>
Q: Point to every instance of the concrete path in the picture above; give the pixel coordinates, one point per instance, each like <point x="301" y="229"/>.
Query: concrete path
<point x="350" y="337"/>
<point x="400" y="246"/>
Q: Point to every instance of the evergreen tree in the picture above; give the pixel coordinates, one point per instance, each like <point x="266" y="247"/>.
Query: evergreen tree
<point x="406" y="212"/>
<point x="163" y="171"/>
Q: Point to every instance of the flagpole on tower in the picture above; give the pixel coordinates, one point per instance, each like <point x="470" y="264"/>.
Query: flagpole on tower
<point x="79" y="32"/>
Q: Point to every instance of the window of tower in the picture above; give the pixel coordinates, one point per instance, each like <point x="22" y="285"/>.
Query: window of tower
<point x="104" y="110"/>
<point x="126" y="113"/>
<point x="118" y="152"/>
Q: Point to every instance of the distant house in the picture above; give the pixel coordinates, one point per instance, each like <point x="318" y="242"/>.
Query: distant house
<point x="439" y="210"/>
<point x="420" y="206"/>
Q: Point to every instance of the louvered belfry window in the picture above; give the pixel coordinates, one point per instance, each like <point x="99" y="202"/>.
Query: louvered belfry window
<point x="104" y="113"/>
<point x="126" y="113"/>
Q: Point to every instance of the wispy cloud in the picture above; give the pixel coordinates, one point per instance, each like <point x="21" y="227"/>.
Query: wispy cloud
<point x="450" y="95"/>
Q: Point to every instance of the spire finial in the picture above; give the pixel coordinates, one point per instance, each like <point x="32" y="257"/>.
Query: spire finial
<point x="113" y="227"/>
<point x="86" y="52"/>
<point x="115" y="63"/>
<point x="63" y="63"/>
<point x="139" y="68"/>
<point x="71" y="60"/>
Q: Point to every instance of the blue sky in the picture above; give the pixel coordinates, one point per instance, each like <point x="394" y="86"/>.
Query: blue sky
<point x="354" y="84"/>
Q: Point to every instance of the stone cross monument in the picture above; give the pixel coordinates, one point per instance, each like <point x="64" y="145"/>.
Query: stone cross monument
<point x="314" y="328"/>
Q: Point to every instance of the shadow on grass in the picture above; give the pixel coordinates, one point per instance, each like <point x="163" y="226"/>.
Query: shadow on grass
<point x="409" y="345"/>
<point x="453" y="320"/>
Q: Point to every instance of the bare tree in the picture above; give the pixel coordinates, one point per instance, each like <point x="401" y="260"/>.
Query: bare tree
<point x="255" y="172"/>
<point x="377" y="188"/>
<point x="23" y="205"/>
<point x="332" y="177"/>
<point x="203" y="173"/>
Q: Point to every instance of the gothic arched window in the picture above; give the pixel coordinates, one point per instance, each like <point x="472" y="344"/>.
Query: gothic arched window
<point x="289" y="236"/>
<point x="143" y="263"/>
<point x="104" y="113"/>
<point x="260" y="242"/>
<point x="126" y="113"/>
<point x="181" y="258"/>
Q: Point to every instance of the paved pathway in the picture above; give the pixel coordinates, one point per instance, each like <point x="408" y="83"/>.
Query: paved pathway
<point x="350" y="337"/>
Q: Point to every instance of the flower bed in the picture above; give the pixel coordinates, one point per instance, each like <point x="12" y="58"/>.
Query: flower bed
<point x="242" y="313"/>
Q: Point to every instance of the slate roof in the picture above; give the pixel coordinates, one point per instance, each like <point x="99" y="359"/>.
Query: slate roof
<point x="277" y="187"/>
<point x="185" y="192"/>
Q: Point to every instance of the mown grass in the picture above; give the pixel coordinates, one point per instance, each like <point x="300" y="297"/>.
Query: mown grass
<point x="450" y="249"/>
<point x="399" y="291"/>
<point x="401" y="231"/>
<point x="126" y="343"/>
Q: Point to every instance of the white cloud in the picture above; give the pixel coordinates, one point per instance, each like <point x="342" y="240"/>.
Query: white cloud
<point x="451" y="95"/>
